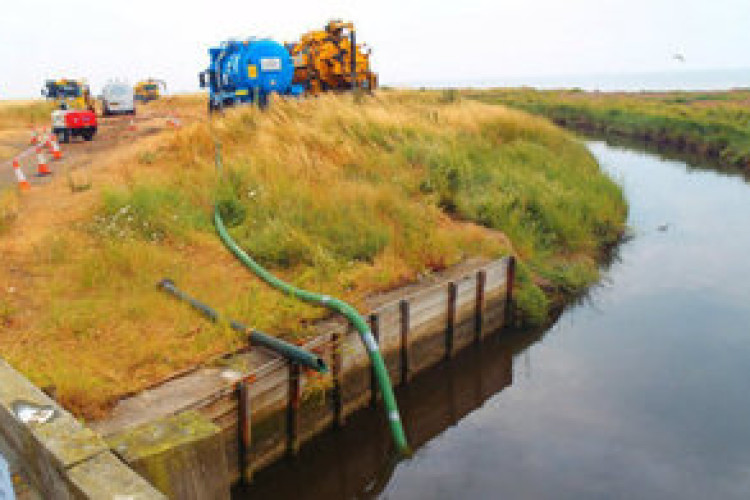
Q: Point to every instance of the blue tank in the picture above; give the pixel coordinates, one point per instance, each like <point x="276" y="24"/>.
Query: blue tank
<point x="248" y="72"/>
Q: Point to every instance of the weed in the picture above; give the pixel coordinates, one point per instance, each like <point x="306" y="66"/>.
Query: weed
<point x="146" y="157"/>
<point x="149" y="213"/>
<point x="8" y="208"/>
<point x="232" y="212"/>
<point x="449" y="96"/>
<point x="79" y="179"/>
<point x="7" y="312"/>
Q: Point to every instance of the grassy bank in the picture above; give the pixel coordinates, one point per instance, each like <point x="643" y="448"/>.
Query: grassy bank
<point x="342" y="197"/>
<point x="19" y="115"/>
<point x="715" y="125"/>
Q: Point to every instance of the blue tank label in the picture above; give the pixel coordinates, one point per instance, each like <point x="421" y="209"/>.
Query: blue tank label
<point x="270" y="64"/>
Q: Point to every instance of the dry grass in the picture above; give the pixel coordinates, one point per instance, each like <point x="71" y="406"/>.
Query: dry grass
<point x="24" y="114"/>
<point x="8" y="208"/>
<point x="344" y="198"/>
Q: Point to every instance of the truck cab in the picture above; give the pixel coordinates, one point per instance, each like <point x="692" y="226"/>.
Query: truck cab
<point x="69" y="94"/>
<point x="149" y="90"/>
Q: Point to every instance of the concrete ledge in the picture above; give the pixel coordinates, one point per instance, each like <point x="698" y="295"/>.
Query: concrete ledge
<point x="62" y="458"/>
<point x="182" y="455"/>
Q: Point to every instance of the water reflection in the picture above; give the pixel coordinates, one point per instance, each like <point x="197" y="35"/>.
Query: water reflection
<point x="638" y="391"/>
<point x="357" y="461"/>
<point x="691" y="161"/>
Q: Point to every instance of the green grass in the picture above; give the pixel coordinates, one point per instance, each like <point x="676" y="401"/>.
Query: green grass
<point x="410" y="159"/>
<point x="147" y="212"/>
<point x="714" y="125"/>
<point x="346" y="197"/>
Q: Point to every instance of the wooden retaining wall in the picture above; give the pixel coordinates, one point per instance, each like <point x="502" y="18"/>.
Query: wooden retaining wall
<point x="275" y="406"/>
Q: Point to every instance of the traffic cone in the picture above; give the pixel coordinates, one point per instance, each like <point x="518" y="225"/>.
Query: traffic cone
<point x="35" y="136"/>
<point x="173" y="121"/>
<point x="23" y="184"/>
<point x="41" y="165"/>
<point x="131" y="125"/>
<point x="55" y="149"/>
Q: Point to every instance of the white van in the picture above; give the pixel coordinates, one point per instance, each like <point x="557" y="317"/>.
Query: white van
<point x="118" y="98"/>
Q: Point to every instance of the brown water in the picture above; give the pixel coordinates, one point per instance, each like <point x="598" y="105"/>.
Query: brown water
<point x="641" y="391"/>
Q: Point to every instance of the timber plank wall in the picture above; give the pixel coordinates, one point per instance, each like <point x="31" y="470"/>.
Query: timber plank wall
<point x="266" y="407"/>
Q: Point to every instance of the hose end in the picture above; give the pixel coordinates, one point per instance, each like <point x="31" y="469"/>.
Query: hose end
<point x="165" y="283"/>
<point x="321" y="366"/>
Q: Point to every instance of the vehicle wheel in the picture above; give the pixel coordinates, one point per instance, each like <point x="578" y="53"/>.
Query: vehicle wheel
<point x="87" y="135"/>
<point x="63" y="136"/>
<point x="214" y="108"/>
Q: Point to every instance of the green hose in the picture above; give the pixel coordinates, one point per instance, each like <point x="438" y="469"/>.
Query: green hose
<point x="381" y="374"/>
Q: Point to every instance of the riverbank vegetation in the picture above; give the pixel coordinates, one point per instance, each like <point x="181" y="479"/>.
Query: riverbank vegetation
<point x="348" y="197"/>
<point x="714" y="125"/>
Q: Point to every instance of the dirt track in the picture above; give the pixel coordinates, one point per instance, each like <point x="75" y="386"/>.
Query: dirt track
<point x="113" y="136"/>
<point x="51" y="202"/>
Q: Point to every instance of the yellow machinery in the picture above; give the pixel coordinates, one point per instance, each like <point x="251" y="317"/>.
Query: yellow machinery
<point x="69" y="94"/>
<point x="332" y="60"/>
<point x="148" y="90"/>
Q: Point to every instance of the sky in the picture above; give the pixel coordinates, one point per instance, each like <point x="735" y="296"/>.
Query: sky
<point x="414" y="42"/>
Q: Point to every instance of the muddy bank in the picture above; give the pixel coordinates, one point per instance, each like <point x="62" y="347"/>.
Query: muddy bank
<point x="664" y="141"/>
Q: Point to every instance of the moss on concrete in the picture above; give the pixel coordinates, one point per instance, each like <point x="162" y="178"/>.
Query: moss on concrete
<point x="182" y="455"/>
<point x="160" y="436"/>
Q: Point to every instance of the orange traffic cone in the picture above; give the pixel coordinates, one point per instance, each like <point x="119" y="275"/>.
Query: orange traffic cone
<point x="173" y="121"/>
<point x="131" y="125"/>
<point x="41" y="165"/>
<point x="23" y="184"/>
<point x="55" y="148"/>
<point x="34" y="136"/>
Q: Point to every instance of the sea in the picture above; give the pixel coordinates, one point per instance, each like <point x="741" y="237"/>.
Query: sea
<point x="694" y="79"/>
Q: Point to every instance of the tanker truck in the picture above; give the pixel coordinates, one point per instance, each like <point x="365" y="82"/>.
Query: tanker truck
<point x="248" y="71"/>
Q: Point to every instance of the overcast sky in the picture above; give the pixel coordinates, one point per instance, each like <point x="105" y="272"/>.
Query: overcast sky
<point x="414" y="41"/>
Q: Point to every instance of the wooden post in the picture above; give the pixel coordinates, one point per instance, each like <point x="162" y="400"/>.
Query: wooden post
<point x="336" y="369"/>
<point x="509" y="281"/>
<point x="375" y="327"/>
<point x="404" y="308"/>
<point x="292" y="414"/>
<point x="244" y="427"/>
<point x="479" y="305"/>
<point x="450" y="328"/>
<point x="51" y="391"/>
